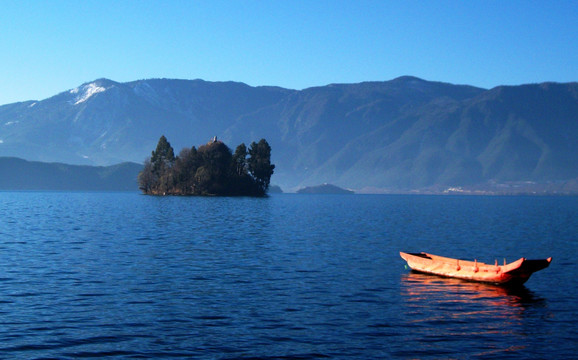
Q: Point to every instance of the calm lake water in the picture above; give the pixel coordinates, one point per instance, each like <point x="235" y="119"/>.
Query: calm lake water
<point x="122" y="275"/>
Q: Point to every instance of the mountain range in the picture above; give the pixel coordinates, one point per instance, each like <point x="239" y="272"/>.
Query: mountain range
<point x="402" y="134"/>
<point x="18" y="174"/>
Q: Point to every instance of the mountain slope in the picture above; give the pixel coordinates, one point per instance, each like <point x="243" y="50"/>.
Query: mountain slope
<point x="18" y="174"/>
<point x="106" y="122"/>
<point x="401" y="134"/>
<point x="521" y="133"/>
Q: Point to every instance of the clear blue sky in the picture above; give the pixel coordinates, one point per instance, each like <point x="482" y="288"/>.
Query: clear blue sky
<point x="52" y="46"/>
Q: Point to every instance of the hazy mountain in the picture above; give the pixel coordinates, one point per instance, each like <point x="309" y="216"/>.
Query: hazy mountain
<point x="18" y="174"/>
<point x="405" y="133"/>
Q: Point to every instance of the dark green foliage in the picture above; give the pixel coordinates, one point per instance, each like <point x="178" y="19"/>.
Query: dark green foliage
<point x="259" y="163"/>
<point x="163" y="156"/>
<point x="212" y="169"/>
<point x="240" y="160"/>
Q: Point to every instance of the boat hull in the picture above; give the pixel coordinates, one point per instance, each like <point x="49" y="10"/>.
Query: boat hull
<point x="515" y="273"/>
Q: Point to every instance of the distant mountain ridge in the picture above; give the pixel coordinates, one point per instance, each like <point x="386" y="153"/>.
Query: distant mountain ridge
<point x="19" y="174"/>
<point x="406" y="133"/>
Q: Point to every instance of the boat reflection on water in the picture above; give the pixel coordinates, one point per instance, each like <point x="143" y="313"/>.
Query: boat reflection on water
<point x="447" y="315"/>
<point x="418" y="287"/>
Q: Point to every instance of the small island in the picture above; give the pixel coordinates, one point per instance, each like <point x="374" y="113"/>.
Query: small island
<point x="324" y="189"/>
<point x="210" y="170"/>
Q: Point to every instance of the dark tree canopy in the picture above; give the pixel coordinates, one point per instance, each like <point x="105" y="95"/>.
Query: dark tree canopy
<point x="212" y="169"/>
<point x="240" y="160"/>
<point x="259" y="163"/>
<point x="164" y="154"/>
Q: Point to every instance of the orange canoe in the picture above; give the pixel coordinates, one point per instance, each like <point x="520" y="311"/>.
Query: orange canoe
<point x="515" y="273"/>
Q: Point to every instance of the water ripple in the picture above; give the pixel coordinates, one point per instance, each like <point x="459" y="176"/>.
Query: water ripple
<point x="289" y="277"/>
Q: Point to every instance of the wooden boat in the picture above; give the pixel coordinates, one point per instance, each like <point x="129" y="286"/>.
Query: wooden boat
<point x="515" y="273"/>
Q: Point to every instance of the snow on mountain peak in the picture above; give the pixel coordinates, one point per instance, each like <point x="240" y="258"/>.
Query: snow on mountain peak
<point x="84" y="92"/>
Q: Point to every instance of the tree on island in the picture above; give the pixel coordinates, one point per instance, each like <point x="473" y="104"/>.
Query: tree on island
<point x="259" y="163"/>
<point x="212" y="169"/>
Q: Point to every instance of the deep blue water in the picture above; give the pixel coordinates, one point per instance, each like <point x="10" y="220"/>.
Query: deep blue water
<point x="122" y="275"/>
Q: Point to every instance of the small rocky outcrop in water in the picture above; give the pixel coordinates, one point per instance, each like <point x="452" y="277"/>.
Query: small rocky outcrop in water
<point x="324" y="189"/>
